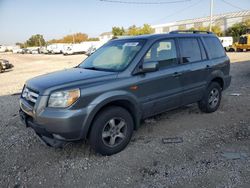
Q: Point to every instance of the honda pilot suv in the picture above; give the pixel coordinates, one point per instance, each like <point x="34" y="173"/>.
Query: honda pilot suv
<point x="105" y="97"/>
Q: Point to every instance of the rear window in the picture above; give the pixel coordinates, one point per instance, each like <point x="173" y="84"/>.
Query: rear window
<point x="190" y="50"/>
<point x="214" y="47"/>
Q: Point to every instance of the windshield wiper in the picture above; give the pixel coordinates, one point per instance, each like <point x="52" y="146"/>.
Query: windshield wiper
<point x="99" y="69"/>
<point x="92" y="68"/>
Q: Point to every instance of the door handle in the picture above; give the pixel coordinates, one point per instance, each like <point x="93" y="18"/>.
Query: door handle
<point x="177" y="74"/>
<point x="208" y="67"/>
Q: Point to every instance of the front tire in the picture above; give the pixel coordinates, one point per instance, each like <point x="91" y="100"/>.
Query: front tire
<point x="211" y="100"/>
<point x="111" y="131"/>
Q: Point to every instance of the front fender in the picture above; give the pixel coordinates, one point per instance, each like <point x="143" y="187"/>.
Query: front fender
<point x="104" y="99"/>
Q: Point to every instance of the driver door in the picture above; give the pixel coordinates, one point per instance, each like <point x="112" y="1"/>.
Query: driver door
<point x="160" y="90"/>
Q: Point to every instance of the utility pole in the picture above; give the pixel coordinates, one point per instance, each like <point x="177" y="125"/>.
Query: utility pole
<point x="211" y="14"/>
<point x="73" y="38"/>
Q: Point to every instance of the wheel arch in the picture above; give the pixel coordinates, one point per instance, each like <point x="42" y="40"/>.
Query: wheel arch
<point x="217" y="76"/>
<point x="219" y="80"/>
<point x="119" y="98"/>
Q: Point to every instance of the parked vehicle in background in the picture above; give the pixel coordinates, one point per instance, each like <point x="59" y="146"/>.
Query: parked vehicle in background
<point x="91" y="50"/>
<point x="17" y="51"/>
<point x="82" y="48"/>
<point x="77" y="49"/>
<point x="243" y="44"/>
<point x="2" y="48"/>
<point x="43" y="50"/>
<point x="25" y="51"/>
<point x="105" y="98"/>
<point x="4" y="65"/>
<point x="56" y="48"/>
<point x="35" y="51"/>
<point x="226" y="42"/>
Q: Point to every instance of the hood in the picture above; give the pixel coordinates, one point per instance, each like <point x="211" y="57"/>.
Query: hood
<point x="67" y="78"/>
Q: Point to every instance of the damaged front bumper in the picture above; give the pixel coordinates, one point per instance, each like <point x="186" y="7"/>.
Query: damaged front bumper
<point x="46" y="137"/>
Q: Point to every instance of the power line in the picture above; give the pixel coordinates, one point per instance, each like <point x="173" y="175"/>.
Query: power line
<point x="232" y="5"/>
<point x="144" y="2"/>
<point x="178" y="11"/>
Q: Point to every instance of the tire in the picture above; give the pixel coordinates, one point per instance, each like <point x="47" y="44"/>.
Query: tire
<point x="211" y="100"/>
<point x="107" y="140"/>
<point x="1" y="69"/>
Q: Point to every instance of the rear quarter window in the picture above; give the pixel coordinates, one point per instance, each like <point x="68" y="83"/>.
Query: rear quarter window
<point x="214" y="47"/>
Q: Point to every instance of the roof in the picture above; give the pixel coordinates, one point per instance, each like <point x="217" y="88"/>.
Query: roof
<point x="207" y="18"/>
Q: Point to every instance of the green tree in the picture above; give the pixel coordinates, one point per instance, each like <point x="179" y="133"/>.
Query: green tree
<point x="146" y="29"/>
<point x="238" y="29"/>
<point x="216" y="29"/>
<point x="74" y="38"/>
<point x="35" y="40"/>
<point x="118" y="31"/>
<point x="133" y="30"/>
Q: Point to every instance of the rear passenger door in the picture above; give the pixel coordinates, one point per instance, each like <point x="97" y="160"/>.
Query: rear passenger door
<point x="194" y="69"/>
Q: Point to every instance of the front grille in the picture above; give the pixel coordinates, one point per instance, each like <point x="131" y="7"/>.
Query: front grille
<point x="30" y="95"/>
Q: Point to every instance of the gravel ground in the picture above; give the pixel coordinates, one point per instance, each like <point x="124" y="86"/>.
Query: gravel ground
<point x="212" y="150"/>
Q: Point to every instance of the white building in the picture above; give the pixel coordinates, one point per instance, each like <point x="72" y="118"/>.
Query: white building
<point x="223" y="20"/>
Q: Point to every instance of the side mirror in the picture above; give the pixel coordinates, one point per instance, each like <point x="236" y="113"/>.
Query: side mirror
<point x="150" y="66"/>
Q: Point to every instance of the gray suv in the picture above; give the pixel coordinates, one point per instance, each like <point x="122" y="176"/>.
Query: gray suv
<point x="125" y="81"/>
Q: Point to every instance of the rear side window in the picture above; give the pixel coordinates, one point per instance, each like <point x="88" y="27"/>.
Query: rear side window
<point x="214" y="47"/>
<point x="190" y="50"/>
<point x="163" y="52"/>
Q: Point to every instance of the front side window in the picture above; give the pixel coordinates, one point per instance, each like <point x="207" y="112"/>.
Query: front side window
<point x="190" y="50"/>
<point x="114" y="56"/>
<point x="164" y="52"/>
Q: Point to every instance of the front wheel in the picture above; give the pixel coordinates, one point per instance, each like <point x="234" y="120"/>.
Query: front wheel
<point x="211" y="100"/>
<point x="112" y="130"/>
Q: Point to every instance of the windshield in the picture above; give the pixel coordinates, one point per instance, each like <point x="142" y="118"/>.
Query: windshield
<point x="114" y="56"/>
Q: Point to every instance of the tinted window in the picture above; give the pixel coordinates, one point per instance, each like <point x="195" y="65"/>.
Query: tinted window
<point x="164" y="52"/>
<point x="214" y="47"/>
<point x="190" y="50"/>
<point x="203" y="53"/>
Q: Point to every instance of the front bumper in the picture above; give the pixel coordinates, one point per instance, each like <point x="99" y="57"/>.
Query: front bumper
<point x="59" y="124"/>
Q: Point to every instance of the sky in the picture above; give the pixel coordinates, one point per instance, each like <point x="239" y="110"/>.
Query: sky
<point x="19" y="19"/>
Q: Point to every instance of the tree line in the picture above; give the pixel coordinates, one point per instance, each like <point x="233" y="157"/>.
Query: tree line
<point x="132" y="30"/>
<point x="235" y="31"/>
<point x="38" y="40"/>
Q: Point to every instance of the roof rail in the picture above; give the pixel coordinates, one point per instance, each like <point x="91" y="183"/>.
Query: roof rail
<point x="189" y="31"/>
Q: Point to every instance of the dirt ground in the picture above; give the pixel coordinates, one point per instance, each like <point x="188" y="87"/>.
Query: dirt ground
<point x="213" y="149"/>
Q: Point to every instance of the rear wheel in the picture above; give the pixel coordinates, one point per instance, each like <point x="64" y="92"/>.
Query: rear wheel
<point x="112" y="130"/>
<point x="211" y="100"/>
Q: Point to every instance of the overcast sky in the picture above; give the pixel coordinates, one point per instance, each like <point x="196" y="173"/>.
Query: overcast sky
<point x="19" y="19"/>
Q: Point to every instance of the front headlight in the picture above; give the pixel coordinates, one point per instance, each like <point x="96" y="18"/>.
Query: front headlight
<point x="63" y="99"/>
